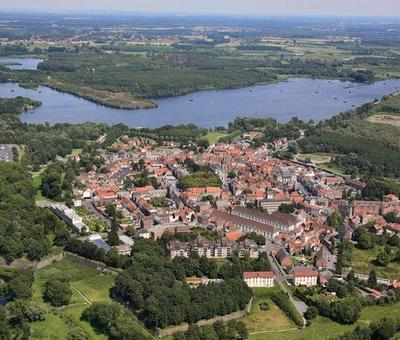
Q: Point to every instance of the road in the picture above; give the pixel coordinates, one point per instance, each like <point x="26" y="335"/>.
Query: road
<point x="280" y="279"/>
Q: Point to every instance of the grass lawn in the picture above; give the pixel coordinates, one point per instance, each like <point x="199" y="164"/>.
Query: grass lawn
<point x="315" y="157"/>
<point x="271" y="320"/>
<point x="213" y="136"/>
<point x="37" y="182"/>
<point x="363" y="263"/>
<point x="76" y="152"/>
<point x="334" y="168"/>
<point x="324" y="328"/>
<point x="92" y="284"/>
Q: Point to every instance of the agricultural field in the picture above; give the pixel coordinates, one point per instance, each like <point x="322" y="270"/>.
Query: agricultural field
<point x="88" y="286"/>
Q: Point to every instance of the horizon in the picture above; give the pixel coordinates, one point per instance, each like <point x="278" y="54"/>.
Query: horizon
<point x="250" y="8"/>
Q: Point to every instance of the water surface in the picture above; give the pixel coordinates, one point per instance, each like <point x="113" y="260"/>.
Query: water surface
<point x="302" y="97"/>
<point x="20" y="63"/>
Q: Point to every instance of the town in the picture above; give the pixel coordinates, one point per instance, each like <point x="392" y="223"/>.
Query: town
<point x="235" y="192"/>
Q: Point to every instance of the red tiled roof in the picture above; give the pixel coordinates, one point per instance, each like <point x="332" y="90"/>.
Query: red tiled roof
<point x="301" y="272"/>
<point x="249" y="275"/>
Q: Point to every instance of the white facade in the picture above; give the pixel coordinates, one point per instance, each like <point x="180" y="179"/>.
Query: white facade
<point x="259" y="279"/>
<point x="305" y="280"/>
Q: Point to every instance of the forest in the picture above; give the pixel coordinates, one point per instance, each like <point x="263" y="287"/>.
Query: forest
<point x="25" y="230"/>
<point x="17" y="105"/>
<point x="359" y="146"/>
<point x="154" y="287"/>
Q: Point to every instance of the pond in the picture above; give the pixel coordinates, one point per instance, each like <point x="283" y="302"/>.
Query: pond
<point x="20" y="63"/>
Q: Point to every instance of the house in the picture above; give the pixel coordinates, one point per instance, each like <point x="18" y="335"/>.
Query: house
<point x="324" y="259"/>
<point x="259" y="279"/>
<point x="283" y="258"/>
<point x="305" y="276"/>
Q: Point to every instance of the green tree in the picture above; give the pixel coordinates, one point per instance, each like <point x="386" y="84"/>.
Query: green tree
<point x="113" y="238"/>
<point x="372" y="279"/>
<point x="57" y="292"/>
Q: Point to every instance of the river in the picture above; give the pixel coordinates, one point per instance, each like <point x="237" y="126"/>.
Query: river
<point x="302" y="97"/>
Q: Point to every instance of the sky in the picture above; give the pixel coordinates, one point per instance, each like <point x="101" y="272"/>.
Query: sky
<point x="229" y="7"/>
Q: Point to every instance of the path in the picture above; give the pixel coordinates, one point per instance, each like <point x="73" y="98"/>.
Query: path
<point x="83" y="296"/>
<point x="275" y="331"/>
<point x="279" y="278"/>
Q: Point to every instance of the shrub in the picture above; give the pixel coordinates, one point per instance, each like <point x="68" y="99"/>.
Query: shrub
<point x="284" y="303"/>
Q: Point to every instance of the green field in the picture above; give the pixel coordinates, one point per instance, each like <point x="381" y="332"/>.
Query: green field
<point x="213" y="136"/>
<point x="315" y="157"/>
<point x="86" y="282"/>
<point x="363" y="263"/>
<point x="266" y="321"/>
<point x="323" y="328"/>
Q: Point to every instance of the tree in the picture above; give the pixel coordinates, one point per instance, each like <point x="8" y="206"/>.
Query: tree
<point x="383" y="259"/>
<point x="287" y="208"/>
<point x="111" y="211"/>
<point x="311" y="313"/>
<point x="113" y="238"/>
<point x="384" y="329"/>
<point x="57" y="292"/>
<point x="372" y="280"/>
<point x="346" y="311"/>
<point x="77" y="333"/>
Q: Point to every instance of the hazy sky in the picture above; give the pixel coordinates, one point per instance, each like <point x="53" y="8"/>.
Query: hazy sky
<point x="260" y="7"/>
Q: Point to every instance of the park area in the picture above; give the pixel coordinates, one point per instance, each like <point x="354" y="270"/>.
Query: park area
<point x="88" y="286"/>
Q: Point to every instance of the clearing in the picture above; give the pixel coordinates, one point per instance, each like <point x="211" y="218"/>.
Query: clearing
<point x="261" y="322"/>
<point x="316" y="158"/>
<point x="88" y="285"/>
<point x="363" y="263"/>
<point x="214" y="136"/>
<point x="384" y="118"/>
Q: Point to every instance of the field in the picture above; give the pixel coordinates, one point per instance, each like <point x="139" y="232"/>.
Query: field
<point x="323" y="328"/>
<point x="390" y="119"/>
<point x="88" y="285"/>
<point x="213" y="136"/>
<point x="37" y="182"/>
<point x="263" y="322"/>
<point x="315" y="158"/>
<point x="363" y="263"/>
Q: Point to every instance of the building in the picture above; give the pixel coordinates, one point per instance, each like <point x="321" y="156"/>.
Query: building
<point x="99" y="242"/>
<point x="225" y="219"/>
<point x="259" y="279"/>
<point x="7" y="152"/>
<point x="283" y="258"/>
<point x="213" y="249"/>
<point x="70" y="217"/>
<point x="281" y="221"/>
<point x="305" y="276"/>
<point x="324" y="259"/>
<point x="271" y="205"/>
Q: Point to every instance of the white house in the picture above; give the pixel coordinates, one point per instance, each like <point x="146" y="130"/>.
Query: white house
<point x="259" y="279"/>
<point x="305" y="276"/>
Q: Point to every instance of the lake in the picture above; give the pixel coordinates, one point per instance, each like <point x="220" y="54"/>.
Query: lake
<point x="20" y="63"/>
<point x="302" y="97"/>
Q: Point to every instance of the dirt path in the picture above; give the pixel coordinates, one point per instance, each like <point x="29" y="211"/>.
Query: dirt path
<point x="83" y="296"/>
